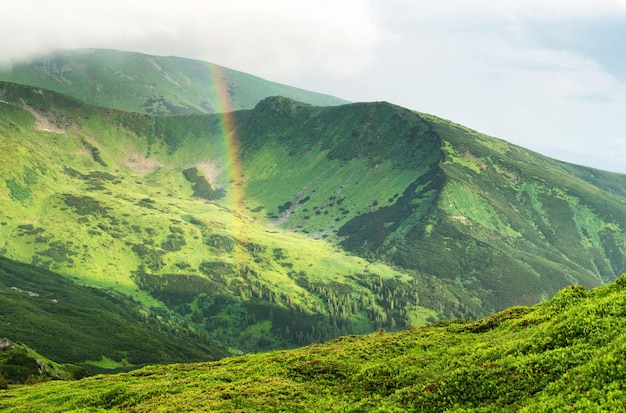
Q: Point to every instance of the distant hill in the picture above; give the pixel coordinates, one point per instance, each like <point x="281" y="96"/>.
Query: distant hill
<point x="564" y="355"/>
<point x="137" y="82"/>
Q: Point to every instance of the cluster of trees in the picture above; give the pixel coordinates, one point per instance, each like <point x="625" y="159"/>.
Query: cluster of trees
<point x="201" y="187"/>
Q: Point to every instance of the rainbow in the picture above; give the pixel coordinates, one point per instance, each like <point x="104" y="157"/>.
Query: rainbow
<point x="228" y="132"/>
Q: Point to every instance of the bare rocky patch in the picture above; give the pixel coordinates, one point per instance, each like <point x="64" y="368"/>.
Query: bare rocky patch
<point x="45" y="122"/>
<point x="139" y="163"/>
<point x="211" y="171"/>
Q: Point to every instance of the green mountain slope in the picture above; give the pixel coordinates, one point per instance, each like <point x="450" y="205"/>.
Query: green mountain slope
<point x="289" y="224"/>
<point x="505" y="225"/>
<point x="150" y="84"/>
<point x="92" y="327"/>
<point x="564" y="355"/>
<point x="20" y="364"/>
<point x="88" y="198"/>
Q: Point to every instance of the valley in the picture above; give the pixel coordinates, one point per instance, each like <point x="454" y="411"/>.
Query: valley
<point x="80" y="208"/>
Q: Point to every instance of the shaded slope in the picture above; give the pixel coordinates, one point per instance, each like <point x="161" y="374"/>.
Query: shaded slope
<point x="73" y="324"/>
<point x="151" y="84"/>
<point x="562" y="355"/>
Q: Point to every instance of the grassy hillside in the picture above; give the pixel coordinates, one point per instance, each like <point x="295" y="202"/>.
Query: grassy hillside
<point x="103" y="198"/>
<point x="564" y="355"/>
<point x="20" y="364"/>
<point x="504" y="225"/>
<point x="150" y="84"/>
<point x="289" y="223"/>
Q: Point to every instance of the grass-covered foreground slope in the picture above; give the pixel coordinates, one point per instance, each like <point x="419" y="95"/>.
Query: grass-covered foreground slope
<point x="566" y="354"/>
<point x="150" y="84"/>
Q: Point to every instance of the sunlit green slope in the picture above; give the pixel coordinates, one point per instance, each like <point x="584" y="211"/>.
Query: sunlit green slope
<point x="500" y="225"/>
<point x="88" y="198"/>
<point x="301" y="223"/>
<point x="150" y="84"/>
<point x="564" y="355"/>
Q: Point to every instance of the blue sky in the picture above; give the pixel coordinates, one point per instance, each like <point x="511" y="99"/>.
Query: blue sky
<point x="547" y="75"/>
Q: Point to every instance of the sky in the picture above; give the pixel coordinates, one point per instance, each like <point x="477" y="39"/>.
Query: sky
<point x="548" y="75"/>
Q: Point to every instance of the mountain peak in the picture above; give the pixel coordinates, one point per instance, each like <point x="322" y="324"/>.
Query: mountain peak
<point x="279" y="104"/>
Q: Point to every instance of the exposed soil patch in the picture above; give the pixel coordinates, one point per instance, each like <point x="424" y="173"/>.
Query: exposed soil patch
<point x="45" y="121"/>
<point x="139" y="163"/>
<point x="210" y="171"/>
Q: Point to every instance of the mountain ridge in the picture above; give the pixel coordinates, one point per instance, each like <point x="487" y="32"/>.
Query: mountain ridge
<point x="301" y="132"/>
<point x="484" y="160"/>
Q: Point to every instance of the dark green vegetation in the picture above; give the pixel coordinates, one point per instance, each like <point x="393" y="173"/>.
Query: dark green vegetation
<point x="564" y="355"/>
<point x="88" y="326"/>
<point x="20" y="364"/>
<point x="151" y="84"/>
<point x="201" y="187"/>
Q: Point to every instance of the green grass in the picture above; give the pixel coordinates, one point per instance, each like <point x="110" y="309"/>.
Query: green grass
<point x="562" y="355"/>
<point x="107" y="363"/>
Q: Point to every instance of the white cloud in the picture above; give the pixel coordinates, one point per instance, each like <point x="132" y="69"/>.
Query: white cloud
<point x="281" y="38"/>
<point x="272" y="38"/>
<point x="480" y="63"/>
